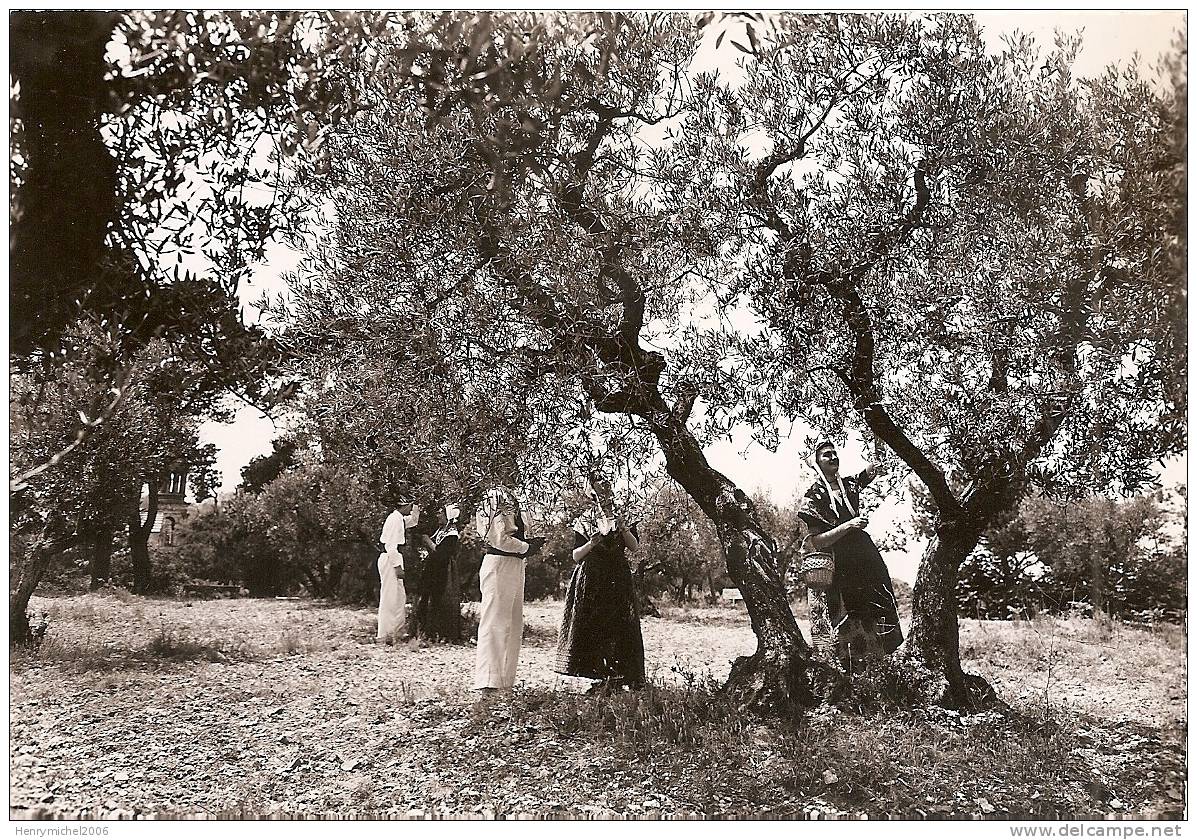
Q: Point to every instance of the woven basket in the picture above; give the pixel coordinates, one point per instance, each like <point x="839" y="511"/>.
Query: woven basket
<point x="818" y="567"/>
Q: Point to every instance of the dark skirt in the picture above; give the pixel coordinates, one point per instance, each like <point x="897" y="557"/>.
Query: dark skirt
<point x="860" y="601"/>
<point x="600" y="630"/>
<point x="438" y="602"/>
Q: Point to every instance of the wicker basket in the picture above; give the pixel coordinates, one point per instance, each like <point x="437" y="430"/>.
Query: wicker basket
<point x="818" y="567"/>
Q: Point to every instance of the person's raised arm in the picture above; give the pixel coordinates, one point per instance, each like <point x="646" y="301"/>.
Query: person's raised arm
<point x="631" y="539"/>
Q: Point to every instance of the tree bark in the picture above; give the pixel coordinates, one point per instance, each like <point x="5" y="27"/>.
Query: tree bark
<point x="139" y="538"/>
<point x="934" y="640"/>
<point x="52" y="542"/>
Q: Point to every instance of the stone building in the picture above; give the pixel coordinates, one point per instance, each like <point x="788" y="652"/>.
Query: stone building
<point x="172" y="506"/>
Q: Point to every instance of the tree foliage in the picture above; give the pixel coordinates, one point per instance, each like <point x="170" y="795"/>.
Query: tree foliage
<point x="1124" y="558"/>
<point x="132" y="434"/>
<point x="878" y="214"/>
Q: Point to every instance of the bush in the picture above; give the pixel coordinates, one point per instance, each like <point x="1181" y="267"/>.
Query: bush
<point x="168" y="571"/>
<point x="540" y="580"/>
<point x="359" y="581"/>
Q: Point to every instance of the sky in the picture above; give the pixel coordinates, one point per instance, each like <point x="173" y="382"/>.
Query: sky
<point x="1109" y="37"/>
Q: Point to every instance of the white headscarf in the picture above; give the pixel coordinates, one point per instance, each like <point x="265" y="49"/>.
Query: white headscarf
<point x="449" y="529"/>
<point x="813" y="460"/>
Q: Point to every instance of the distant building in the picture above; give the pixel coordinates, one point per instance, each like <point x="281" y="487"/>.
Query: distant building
<point x="172" y="506"/>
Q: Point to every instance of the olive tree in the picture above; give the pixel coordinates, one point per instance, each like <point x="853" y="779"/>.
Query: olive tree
<point x="970" y="256"/>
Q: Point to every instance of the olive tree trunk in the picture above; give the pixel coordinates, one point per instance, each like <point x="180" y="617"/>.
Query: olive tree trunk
<point x="782" y="675"/>
<point x="139" y="537"/>
<point x="51" y="542"/>
<point x="934" y="640"/>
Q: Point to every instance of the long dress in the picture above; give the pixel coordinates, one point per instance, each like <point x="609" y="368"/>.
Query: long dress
<point x="438" y="605"/>
<point x="500" y="523"/>
<point x="392" y="596"/>
<point x="600" y="630"/>
<point x="860" y="603"/>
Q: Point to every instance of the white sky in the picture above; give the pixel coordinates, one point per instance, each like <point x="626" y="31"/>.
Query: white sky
<point x="1109" y="37"/>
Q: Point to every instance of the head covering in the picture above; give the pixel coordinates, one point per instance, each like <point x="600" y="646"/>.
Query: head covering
<point x="449" y="529"/>
<point x="813" y="460"/>
<point x="496" y="500"/>
<point x="813" y="457"/>
<point x="593" y="482"/>
<point x="595" y="520"/>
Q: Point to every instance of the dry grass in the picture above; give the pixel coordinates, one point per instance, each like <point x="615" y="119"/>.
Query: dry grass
<point x="286" y="707"/>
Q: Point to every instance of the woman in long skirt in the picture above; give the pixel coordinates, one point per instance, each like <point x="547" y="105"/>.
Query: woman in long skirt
<point x="600" y="630"/>
<point x="858" y="612"/>
<point x="500" y="523"/>
<point x="438" y="604"/>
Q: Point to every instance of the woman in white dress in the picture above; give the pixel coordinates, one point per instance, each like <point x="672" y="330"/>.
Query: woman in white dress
<point x="500" y="523"/>
<point x="392" y="595"/>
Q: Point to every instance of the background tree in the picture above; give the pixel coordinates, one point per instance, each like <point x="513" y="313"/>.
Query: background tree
<point x="1113" y="554"/>
<point x="83" y="499"/>
<point x="263" y="469"/>
<point x="682" y="554"/>
<point x="323" y="524"/>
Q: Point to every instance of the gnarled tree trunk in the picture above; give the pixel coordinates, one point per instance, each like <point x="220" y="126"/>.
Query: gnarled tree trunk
<point x="139" y="537"/>
<point x="934" y="641"/>
<point x="782" y="674"/>
<point x="52" y="542"/>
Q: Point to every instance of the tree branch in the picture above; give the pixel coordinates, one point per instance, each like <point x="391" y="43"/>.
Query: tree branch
<point x="85" y="431"/>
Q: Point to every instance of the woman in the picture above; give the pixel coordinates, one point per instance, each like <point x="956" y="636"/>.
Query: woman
<point x="500" y="524"/>
<point x="600" y="630"/>
<point x="438" y="603"/>
<point x="860" y="603"/>
<point x="392" y="595"/>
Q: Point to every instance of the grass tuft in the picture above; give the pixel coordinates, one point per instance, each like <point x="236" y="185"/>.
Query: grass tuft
<point x="169" y="644"/>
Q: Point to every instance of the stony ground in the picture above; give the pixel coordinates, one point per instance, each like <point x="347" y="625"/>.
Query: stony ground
<point x="245" y="707"/>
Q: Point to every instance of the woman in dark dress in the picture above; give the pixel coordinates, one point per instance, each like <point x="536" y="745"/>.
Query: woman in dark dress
<point x="438" y="605"/>
<point x="859" y="611"/>
<point x="600" y="630"/>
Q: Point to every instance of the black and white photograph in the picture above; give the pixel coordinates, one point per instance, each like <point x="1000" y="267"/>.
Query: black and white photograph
<point x="599" y="415"/>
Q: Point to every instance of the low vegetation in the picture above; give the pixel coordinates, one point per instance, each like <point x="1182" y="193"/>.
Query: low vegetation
<point x="287" y="708"/>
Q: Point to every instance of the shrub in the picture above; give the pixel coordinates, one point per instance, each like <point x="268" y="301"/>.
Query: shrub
<point x="540" y="580"/>
<point x="359" y="581"/>
<point x="169" y="571"/>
